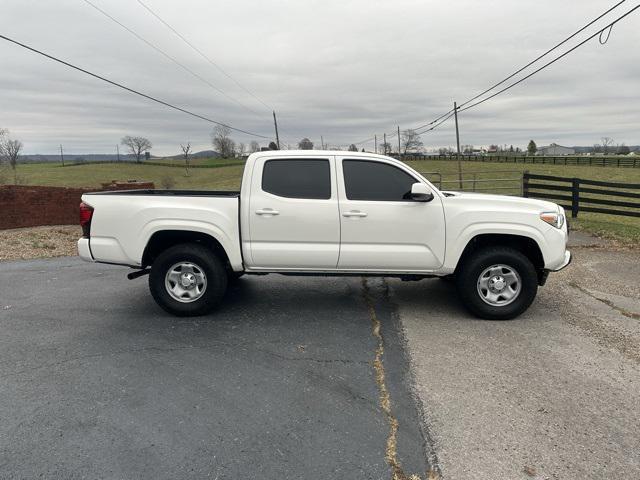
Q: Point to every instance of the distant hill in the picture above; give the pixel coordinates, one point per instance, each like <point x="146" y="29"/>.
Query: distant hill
<point x="202" y="154"/>
<point x="103" y="157"/>
<point x="85" y="157"/>
<point x="633" y="148"/>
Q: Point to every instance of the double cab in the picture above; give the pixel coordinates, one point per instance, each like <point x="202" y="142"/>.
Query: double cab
<point x="327" y="213"/>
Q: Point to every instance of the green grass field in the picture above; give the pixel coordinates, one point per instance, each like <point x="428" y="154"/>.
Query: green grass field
<point x="228" y="174"/>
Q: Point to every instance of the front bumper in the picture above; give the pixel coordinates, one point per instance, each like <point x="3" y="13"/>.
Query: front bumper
<point x="567" y="261"/>
<point x="84" y="251"/>
<point x="544" y="274"/>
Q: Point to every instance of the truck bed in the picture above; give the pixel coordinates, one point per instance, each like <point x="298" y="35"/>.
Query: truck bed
<point x="176" y="193"/>
<point x="124" y="221"/>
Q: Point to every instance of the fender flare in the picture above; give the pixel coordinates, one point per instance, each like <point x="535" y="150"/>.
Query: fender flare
<point x="454" y="253"/>
<point x="210" y="229"/>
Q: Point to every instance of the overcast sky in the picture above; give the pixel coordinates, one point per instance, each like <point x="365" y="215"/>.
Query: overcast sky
<point x="342" y="69"/>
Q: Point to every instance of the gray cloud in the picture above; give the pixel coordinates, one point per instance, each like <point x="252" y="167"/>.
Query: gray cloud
<point x="344" y="70"/>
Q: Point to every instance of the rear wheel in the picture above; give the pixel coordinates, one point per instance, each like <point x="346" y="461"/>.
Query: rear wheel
<point x="497" y="283"/>
<point x="187" y="280"/>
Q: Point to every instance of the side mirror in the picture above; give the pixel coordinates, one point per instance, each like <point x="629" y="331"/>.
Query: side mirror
<point x="421" y="193"/>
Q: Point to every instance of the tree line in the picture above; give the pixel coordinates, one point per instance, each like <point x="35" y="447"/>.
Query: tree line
<point x="410" y="142"/>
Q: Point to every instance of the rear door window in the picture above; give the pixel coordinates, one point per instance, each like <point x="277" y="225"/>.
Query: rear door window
<point x="293" y="178"/>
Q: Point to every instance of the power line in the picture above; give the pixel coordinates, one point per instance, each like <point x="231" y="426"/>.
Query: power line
<point x="433" y="121"/>
<point x="203" y="55"/>
<point x="448" y="114"/>
<point x="364" y="141"/>
<point x="436" y="122"/>
<point x="166" y="55"/>
<point x="543" y="55"/>
<point x="451" y="114"/>
<point x="149" y="97"/>
<point x="551" y="62"/>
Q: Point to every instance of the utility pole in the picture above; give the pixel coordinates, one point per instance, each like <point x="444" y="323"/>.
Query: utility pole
<point x="118" y="152"/>
<point x="321" y="142"/>
<point x="385" y="143"/>
<point x="61" y="155"/>
<point x="375" y="139"/>
<point x="275" y="123"/>
<point x="455" y="113"/>
<point x="399" y="152"/>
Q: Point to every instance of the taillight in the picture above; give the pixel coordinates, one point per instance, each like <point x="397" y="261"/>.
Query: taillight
<point x="86" y="212"/>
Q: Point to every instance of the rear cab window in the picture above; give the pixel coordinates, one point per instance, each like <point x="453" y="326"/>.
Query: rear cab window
<point x="297" y="178"/>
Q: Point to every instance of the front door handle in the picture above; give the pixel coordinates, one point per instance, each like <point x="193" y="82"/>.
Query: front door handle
<point x="354" y="213"/>
<point x="267" y="211"/>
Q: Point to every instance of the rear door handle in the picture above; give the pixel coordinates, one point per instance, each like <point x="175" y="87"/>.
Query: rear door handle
<point x="354" y="213"/>
<point x="267" y="211"/>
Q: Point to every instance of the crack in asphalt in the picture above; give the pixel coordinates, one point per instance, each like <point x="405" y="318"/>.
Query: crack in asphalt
<point x="429" y="446"/>
<point x="609" y="303"/>
<point x="391" y="453"/>
<point x="607" y="335"/>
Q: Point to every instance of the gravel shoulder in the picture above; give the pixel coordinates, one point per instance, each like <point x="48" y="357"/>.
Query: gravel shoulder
<point x="554" y="394"/>
<point x="39" y="242"/>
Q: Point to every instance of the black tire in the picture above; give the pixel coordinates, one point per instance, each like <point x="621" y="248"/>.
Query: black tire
<point x="475" y="264"/>
<point x="234" y="277"/>
<point x="207" y="264"/>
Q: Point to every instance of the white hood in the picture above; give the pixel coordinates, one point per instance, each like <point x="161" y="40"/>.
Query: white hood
<point x="527" y="204"/>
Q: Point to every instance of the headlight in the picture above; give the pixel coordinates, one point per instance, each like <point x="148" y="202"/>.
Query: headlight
<point x="553" y="218"/>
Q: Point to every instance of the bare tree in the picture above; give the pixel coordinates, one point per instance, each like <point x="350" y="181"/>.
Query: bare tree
<point x="136" y="145"/>
<point x="353" y="148"/>
<point x="3" y="137"/>
<point x="305" y="144"/>
<point x="623" y="149"/>
<point x="410" y="141"/>
<point x="241" y="149"/>
<point x="386" y="148"/>
<point x="254" y="146"/>
<point x="185" y="154"/>
<point x="11" y="150"/>
<point x="606" y="143"/>
<point x="222" y="142"/>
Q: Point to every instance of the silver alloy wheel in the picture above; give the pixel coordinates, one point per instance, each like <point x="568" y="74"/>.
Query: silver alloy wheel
<point x="185" y="282"/>
<point x="499" y="285"/>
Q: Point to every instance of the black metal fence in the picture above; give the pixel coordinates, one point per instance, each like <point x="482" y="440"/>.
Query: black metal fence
<point x="507" y="182"/>
<point x="581" y="195"/>
<point x="592" y="161"/>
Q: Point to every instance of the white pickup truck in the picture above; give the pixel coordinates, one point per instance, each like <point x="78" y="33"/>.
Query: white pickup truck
<point x="327" y="213"/>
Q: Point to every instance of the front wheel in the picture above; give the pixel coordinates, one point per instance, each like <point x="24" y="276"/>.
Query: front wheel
<point x="497" y="283"/>
<point x="188" y="280"/>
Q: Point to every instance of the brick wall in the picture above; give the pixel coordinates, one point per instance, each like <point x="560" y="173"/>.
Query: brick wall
<point x="31" y="206"/>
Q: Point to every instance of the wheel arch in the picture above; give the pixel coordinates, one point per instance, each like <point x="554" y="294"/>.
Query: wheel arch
<point x="528" y="246"/>
<point x="164" y="239"/>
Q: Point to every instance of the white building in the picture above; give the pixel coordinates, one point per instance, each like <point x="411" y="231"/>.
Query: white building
<point x="555" y="150"/>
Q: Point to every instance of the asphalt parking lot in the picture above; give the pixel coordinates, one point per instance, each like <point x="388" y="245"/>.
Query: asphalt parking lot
<point x="98" y="382"/>
<point x="282" y="382"/>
